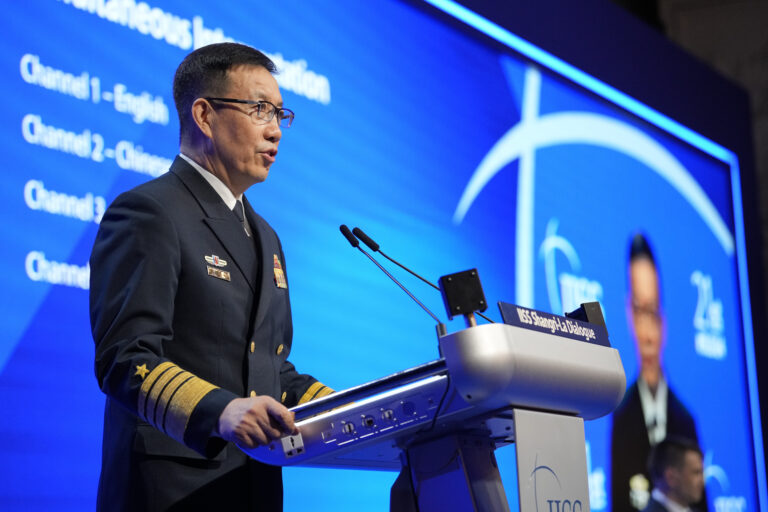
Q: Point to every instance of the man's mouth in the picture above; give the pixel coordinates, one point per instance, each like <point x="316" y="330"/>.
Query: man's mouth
<point x="269" y="155"/>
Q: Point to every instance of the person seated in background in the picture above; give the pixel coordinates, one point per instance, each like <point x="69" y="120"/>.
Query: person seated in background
<point x="677" y="470"/>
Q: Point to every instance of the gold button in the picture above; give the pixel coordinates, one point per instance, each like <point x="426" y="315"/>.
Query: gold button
<point x="280" y="348"/>
<point x="282" y="398"/>
<point x="253" y="346"/>
<point x="253" y="393"/>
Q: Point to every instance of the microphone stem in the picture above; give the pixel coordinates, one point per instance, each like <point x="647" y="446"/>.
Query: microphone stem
<point x="401" y="286"/>
<point x="409" y="270"/>
<point x="426" y="281"/>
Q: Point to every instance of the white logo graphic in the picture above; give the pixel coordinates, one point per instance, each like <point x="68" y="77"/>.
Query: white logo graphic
<point x="716" y="474"/>
<point x="708" y="319"/>
<point x="574" y="289"/>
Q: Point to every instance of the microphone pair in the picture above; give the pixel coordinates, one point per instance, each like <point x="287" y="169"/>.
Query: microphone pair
<point x="356" y="235"/>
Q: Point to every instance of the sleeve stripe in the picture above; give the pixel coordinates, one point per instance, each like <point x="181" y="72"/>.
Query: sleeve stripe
<point x="148" y="384"/>
<point x="324" y="392"/>
<point x="307" y="396"/>
<point x="168" y="396"/>
<point x="316" y="390"/>
<point x="182" y="405"/>
<point x="155" y="395"/>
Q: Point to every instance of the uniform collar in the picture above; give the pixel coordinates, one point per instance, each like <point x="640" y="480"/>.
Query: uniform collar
<point x="226" y="195"/>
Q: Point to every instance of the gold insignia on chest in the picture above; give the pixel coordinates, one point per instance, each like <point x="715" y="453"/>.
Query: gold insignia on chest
<point x="215" y="261"/>
<point x="280" y="281"/>
<point x="221" y="274"/>
<point x="141" y="371"/>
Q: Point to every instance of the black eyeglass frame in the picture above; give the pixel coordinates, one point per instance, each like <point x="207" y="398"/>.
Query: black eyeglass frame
<point x="285" y="116"/>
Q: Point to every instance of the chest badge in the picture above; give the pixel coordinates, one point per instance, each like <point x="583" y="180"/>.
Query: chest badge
<point x="217" y="272"/>
<point x="280" y="281"/>
<point x="215" y="261"/>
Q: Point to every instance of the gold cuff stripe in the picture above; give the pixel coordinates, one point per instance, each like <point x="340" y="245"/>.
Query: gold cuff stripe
<point x="167" y="397"/>
<point x="316" y="390"/>
<point x="157" y="399"/>
<point x="148" y="384"/>
<point x="307" y="396"/>
<point x="184" y="402"/>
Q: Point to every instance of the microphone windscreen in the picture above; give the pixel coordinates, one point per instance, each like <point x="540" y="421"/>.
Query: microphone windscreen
<point x="365" y="239"/>
<point x="348" y="235"/>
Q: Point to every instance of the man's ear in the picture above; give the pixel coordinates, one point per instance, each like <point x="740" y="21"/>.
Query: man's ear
<point x="672" y="477"/>
<point x="202" y="112"/>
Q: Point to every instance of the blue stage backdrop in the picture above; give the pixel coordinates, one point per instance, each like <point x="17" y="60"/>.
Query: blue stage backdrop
<point x="453" y="144"/>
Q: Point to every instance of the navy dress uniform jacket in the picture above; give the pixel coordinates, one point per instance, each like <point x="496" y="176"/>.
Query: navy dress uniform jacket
<point x="187" y="313"/>
<point x="655" y="506"/>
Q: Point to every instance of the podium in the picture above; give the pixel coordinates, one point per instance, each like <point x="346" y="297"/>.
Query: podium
<point x="440" y="423"/>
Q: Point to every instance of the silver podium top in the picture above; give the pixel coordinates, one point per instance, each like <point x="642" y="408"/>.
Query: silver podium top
<point x="496" y="365"/>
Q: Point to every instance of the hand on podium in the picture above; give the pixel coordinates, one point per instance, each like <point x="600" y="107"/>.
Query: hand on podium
<point x="255" y="421"/>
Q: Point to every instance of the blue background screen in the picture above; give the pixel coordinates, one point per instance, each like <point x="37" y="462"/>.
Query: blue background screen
<point x="451" y="151"/>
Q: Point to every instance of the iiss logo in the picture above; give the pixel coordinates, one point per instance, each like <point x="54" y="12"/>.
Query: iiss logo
<point x="566" y="290"/>
<point x="548" y="492"/>
<point x="717" y="479"/>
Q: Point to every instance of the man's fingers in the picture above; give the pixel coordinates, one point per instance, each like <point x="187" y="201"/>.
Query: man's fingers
<point x="244" y="441"/>
<point x="255" y="421"/>
<point x="283" y="418"/>
<point x="270" y="432"/>
<point x="259" y="437"/>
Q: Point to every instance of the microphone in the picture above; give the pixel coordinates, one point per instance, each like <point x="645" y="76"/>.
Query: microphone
<point x="441" y="330"/>
<point x="349" y="236"/>
<point x="375" y="248"/>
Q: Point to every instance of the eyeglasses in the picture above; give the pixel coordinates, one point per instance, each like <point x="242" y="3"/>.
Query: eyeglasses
<point x="650" y="314"/>
<point x="264" y="111"/>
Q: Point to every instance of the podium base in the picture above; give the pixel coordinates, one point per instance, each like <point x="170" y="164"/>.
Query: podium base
<point x="455" y="472"/>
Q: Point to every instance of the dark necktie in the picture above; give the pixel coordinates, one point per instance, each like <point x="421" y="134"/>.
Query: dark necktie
<point x="238" y="211"/>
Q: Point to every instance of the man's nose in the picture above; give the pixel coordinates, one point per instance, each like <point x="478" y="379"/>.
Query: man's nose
<point x="272" y="131"/>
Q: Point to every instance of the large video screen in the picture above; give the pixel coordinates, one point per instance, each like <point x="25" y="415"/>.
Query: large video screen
<point x="451" y="142"/>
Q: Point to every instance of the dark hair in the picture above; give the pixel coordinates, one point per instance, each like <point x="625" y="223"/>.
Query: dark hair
<point x="640" y="248"/>
<point x="204" y="72"/>
<point x="669" y="453"/>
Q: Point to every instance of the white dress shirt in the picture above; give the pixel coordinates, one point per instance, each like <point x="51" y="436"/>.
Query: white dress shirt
<point x="654" y="409"/>
<point x="226" y="195"/>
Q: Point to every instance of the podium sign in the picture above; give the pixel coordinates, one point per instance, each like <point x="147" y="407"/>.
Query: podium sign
<point x="551" y="462"/>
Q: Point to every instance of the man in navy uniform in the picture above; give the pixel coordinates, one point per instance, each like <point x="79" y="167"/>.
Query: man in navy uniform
<point x="650" y="410"/>
<point x="677" y="471"/>
<point x="189" y="306"/>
